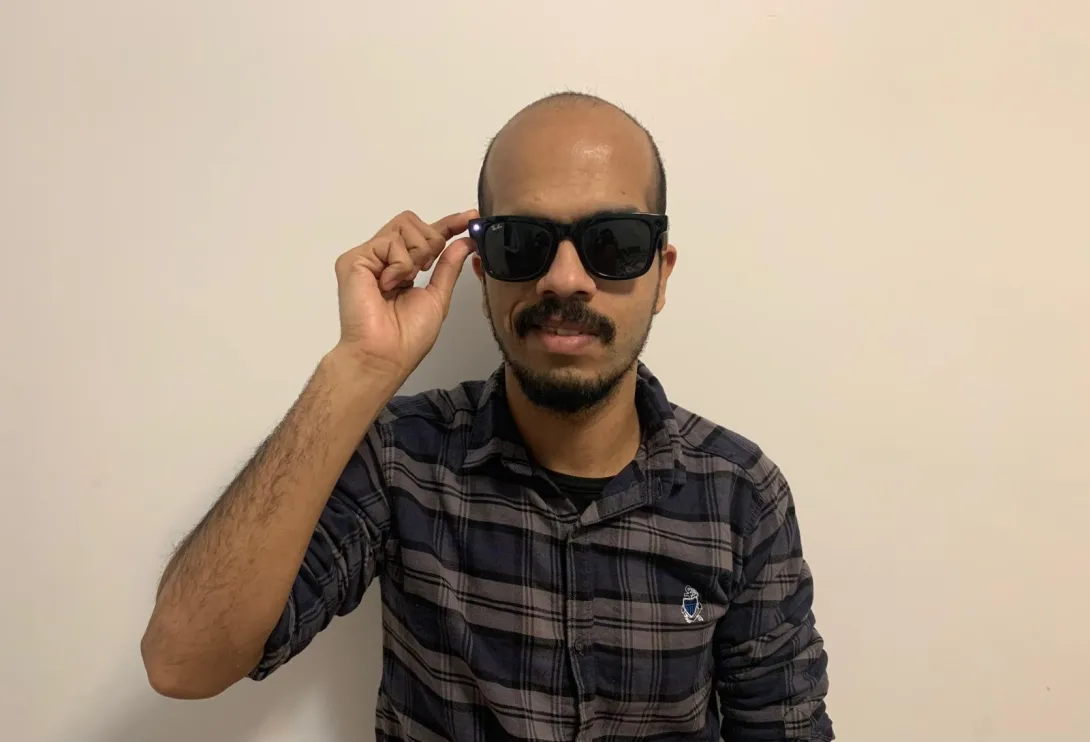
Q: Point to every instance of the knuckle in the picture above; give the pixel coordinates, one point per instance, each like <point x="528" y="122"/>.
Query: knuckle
<point x="357" y="259"/>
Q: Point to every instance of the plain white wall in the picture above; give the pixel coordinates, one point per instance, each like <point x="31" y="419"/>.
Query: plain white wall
<point x="881" y="215"/>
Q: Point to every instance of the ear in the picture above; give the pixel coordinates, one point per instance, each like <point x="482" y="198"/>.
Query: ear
<point x="667" y="261"/>
<point x="478" y="269"/>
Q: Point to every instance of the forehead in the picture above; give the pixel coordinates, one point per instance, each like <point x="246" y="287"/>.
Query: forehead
<point x="568" y="161"/>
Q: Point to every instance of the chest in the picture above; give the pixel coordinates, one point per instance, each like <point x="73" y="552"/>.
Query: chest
<point x="512" y="585"/>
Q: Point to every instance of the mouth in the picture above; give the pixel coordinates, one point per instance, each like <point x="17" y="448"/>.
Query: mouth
<point x="564" y="338"/>
<point x="564" y="330"/>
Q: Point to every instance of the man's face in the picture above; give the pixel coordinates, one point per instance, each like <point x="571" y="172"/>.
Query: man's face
<point x="568" y="337"/>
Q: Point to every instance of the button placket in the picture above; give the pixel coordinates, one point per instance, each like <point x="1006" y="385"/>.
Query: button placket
<point x="580" y="621"/>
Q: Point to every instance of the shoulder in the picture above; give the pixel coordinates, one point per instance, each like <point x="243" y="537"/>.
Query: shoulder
<point x="424" y="421"/>
<point x="706" y="441"/>
<point x="735" y="466"/>
<point x="434" y="406"/>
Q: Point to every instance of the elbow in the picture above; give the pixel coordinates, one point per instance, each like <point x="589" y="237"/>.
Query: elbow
<point x="171" y="684"/>
<point x="177" y="674"/>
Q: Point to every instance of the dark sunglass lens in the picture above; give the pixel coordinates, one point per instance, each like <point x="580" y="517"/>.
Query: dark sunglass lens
<point x="515" y="251"/>
<point x="618" y="248"/>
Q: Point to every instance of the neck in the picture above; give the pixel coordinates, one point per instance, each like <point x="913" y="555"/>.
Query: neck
<point x="596" y="443"/>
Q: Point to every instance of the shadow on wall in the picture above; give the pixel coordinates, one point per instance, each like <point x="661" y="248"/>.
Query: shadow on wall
<point x="337" y="676"/>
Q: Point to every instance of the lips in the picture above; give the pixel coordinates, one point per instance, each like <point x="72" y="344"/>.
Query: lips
<point x="565" y="330"/>
<point x="564" y="339"/>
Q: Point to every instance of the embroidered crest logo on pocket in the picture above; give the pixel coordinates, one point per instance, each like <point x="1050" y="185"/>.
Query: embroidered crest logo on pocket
<point x="691" y="609"/>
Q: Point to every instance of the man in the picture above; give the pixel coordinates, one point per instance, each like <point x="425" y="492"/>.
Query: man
<point x="562" y="553"/>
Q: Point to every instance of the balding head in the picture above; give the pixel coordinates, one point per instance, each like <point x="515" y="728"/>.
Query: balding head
<point x="571" y="152"/>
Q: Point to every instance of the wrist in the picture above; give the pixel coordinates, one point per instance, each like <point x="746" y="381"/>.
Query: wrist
<point x="358" y="373"/>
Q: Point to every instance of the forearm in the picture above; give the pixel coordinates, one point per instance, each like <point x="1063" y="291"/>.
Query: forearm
<point x="225" y="588"/>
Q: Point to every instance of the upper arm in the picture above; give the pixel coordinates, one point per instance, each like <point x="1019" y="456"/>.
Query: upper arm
<point x="343" y="557"/>
<point x="770" y="659"/>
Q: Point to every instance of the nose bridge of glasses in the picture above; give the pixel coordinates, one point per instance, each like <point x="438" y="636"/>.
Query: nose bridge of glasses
<point x="567" y="273"/>
<point x="569" y="236"/>
<point x="565" y="232"/>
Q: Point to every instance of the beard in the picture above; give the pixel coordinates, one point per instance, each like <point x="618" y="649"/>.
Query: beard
<point x="563" y="391"/>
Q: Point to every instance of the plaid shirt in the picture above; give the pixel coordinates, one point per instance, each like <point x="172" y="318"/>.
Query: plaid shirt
<point x="509" y="615"/>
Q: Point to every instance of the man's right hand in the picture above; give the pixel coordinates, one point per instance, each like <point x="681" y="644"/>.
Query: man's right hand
<point x="387" y="323"/>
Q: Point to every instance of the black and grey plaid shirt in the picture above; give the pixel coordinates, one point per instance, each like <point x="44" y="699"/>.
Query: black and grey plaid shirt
<point x="508" y="615"/>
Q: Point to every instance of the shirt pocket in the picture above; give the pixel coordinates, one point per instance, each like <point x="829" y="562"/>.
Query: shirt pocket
<point x="653" y="653"/>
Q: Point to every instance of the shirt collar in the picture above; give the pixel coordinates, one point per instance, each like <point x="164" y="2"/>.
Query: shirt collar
<point x="494" y="435"/>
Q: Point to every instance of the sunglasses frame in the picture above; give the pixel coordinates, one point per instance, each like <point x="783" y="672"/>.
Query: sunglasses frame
<point x="658" y="224"/>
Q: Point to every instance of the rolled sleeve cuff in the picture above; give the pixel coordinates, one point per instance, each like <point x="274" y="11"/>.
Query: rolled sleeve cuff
<point x="278" y="647"/>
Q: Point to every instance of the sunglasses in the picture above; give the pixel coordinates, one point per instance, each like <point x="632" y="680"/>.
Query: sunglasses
<point x="614" y="247"/>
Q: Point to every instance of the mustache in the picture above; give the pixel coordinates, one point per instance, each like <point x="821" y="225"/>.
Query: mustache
<point x="571" y="310"/>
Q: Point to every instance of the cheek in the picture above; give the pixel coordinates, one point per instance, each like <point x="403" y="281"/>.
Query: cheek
<point x="632" y="313"/>
<point x="500" y="300"/>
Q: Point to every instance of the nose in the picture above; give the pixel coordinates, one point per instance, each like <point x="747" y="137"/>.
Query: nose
<point x="567" y="276"/>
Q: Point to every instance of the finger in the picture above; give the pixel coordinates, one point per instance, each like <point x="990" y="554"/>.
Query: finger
<point x="399" y="266"/>
<point x="449" y="267"/>
<point x="392" y="293"/>
<point x="454" y="224"/>
<point x="422" y="249"/>
<point x="360" y="259"/>
<point x="436" y="240"/>
<point x="392" y="225"/>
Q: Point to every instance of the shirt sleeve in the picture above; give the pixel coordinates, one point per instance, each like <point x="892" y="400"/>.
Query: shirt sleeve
<point x="770" y="660"/>
<point x="344" y="555"/>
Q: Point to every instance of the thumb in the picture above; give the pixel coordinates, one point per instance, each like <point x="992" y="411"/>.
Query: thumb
<point x="448" y="268"/>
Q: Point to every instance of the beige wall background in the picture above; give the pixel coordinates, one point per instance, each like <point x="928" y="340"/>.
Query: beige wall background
<point x="881" y="215"/>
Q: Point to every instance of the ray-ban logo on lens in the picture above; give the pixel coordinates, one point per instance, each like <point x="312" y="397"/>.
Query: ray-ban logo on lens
<point x="691" y="608"/>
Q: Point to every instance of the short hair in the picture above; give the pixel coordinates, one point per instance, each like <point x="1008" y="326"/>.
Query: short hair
<point x="658" y="199"/>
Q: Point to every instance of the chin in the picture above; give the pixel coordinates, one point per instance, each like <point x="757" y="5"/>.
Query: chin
<point x="563" y="366"/>
<point x="567" y="389"/>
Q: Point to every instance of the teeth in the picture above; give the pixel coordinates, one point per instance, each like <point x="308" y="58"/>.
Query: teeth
<point x="563" y="332"/>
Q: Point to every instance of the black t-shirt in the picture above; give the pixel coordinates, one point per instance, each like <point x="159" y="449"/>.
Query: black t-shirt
<point x="579" y="491"/>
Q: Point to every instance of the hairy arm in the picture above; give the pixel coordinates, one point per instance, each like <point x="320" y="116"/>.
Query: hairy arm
<point x="224" y="591"/>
